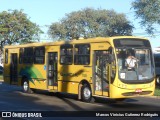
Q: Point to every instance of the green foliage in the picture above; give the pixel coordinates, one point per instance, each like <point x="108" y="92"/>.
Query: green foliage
<point x="89" y="23"/>
<point x="15" y="27"/>
<point x="1" y="77"/>
<point x="149" y="13"/>
<point x="157" y="91"/>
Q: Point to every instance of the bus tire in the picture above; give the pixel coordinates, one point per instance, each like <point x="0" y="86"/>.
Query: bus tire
<point x="158" y="80"/>
<point x="86" y="94"/>
<point x="26" y="87"/>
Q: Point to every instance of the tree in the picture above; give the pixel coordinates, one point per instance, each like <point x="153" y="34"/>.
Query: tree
<point x="89" y="23"/>
<point x="15" y="27"/>
<point x="149" y="13"/>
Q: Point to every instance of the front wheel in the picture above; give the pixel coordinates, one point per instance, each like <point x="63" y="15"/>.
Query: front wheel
<point x="86" y="93"/>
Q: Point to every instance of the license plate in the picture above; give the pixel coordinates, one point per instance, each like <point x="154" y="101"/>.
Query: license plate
<point x="138" y="90"/>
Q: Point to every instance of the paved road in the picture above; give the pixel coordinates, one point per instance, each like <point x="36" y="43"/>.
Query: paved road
<point x="13" y="99"/>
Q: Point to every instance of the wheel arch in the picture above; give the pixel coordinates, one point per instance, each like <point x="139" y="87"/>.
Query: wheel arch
<point x="23" y="78"/>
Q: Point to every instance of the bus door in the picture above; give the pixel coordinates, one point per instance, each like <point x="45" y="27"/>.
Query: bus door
<point x="52" y="70"/>
<point x="13" y="69"/>
<point x="100" y="73"/>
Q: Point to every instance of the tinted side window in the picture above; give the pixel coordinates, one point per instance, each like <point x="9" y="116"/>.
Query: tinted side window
<point x="28" y="55"/>
<point x="39" y="55"/>
<point x="66" y="54"/>
<point x="82" y="54"/>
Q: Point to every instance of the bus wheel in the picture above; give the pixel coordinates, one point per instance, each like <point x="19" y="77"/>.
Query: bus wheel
<point x="86" y="94"/>
<point x="157" y="80"/>
<point x="26" y="87"/>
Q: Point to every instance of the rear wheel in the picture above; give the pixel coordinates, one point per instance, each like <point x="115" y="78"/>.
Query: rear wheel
<point x="86" y="93"/>
<point x="158" y="80"/>
<point x="26" y="87"/>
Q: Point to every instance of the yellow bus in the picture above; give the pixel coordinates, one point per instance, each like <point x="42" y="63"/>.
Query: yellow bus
<point x="95" y="67"/>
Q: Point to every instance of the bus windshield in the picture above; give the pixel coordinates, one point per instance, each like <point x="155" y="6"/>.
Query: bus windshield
<point x="135" y="64"/>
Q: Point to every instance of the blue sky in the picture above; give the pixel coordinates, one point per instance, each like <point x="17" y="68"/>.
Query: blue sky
<point x="45" y="12"/>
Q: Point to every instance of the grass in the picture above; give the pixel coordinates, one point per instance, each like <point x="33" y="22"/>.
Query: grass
<point x="1" y="77"/>
<point x="157" y="91"/>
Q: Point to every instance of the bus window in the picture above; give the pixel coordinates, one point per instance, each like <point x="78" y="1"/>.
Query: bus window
<point x="66" y="54"/>
<point x="28" y="55"/>
<point x="82" y="54"/>
<point x="39" y="55"/>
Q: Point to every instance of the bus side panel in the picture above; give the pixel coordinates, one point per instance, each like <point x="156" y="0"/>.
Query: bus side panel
<point x="69" y="77"/>
<point x="6" y="73"/>
<point x="40" y="74"/>
<point x="68" y="87"/>
<point x="36" y="75"/>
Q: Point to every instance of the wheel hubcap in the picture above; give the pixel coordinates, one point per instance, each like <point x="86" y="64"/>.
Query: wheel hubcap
<point x="87" y="93"/>
<point x="158" y="80"/>
<point x="25" y="86"/>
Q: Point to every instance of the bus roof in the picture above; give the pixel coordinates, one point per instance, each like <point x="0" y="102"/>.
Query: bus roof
<point x="89" y="40"/>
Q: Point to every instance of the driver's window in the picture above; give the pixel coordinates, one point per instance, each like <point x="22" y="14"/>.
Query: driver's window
<point x="143" y="57"/>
